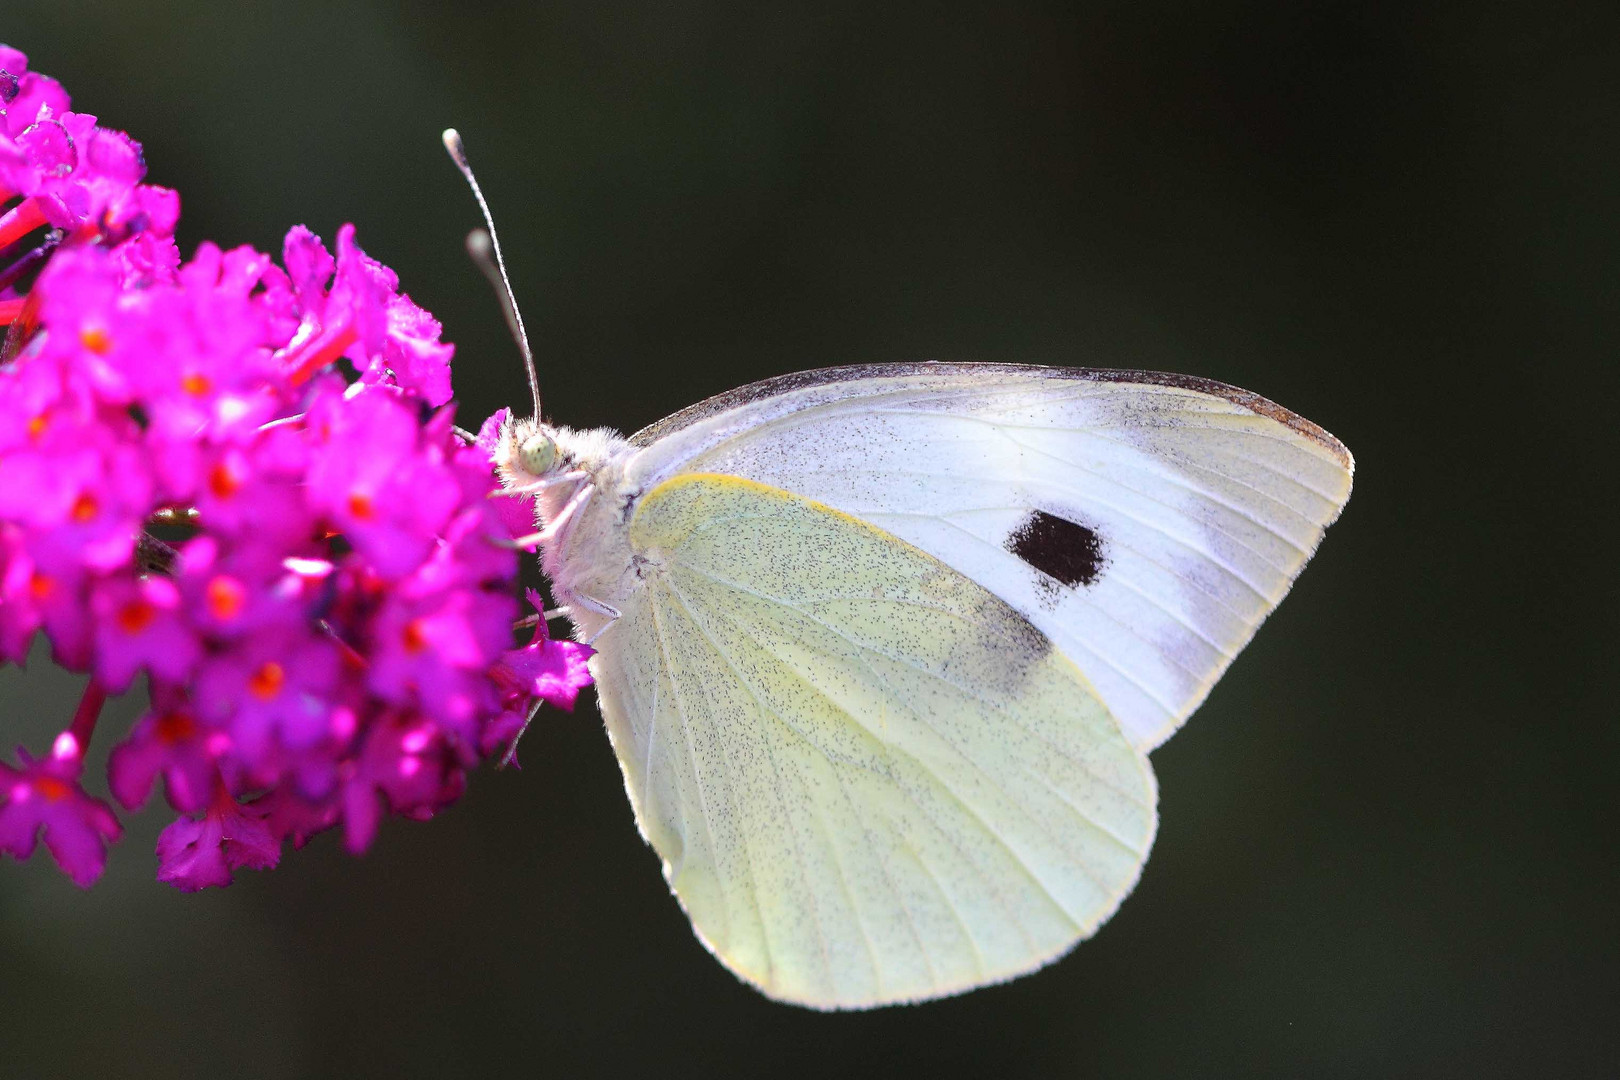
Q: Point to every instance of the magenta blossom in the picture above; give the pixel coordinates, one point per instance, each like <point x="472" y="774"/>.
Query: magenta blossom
<point x="44" y="797"/>
<point x="310" y="573"/>
<point x="553" y="671"/>
<point x="172" y="743"/>
<point x="194" y="854"/>
<point x="57" y="167"/>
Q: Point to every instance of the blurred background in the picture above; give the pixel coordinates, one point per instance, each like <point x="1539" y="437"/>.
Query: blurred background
<point x="1387" y="841"/>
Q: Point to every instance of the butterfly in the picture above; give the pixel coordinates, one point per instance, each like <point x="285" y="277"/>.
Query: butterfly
<point x="882" y="650"/>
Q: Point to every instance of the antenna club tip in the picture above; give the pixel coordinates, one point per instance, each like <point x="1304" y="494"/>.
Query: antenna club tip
<point x="453" y="144"/>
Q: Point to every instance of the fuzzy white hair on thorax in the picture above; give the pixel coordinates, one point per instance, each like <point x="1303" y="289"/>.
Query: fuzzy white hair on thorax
<point x="580" y="509"/>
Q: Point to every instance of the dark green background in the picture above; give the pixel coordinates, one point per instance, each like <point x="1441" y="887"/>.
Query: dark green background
<point x="1387" y="842"/>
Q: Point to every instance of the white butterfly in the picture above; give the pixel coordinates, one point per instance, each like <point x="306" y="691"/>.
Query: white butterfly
<point x="882" y="650"/>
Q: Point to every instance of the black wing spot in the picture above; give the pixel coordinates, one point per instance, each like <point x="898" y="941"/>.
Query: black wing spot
<point x="1069" y="553"/>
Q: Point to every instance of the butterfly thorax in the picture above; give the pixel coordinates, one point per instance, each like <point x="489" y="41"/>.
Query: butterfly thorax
<point x="583" y="501"/>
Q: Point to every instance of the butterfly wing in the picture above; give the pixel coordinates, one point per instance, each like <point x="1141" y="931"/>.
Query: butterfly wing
<point x="1146" y="523"/>
<point x="869" y="778"/>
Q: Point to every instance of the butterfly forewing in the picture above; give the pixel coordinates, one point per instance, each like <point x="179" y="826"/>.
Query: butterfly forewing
<point x="1146" y="523"/>
<point x="870" y="779"/>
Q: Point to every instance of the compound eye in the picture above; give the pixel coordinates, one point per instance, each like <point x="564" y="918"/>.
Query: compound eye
<point x="537" y="453"/>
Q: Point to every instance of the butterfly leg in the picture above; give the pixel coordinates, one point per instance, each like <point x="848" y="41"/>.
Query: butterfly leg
<point x="612" y="613"/>
<point x="558" y="529"/>
<point x="510" y="757"/>
<point x="521" y="543"/>
<point x="592" y="604"/>
<point x="523" y="491"/>
<point x="597" y="606"/>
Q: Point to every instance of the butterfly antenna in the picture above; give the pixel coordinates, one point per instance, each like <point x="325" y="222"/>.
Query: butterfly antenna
<point x="485" y="249"/>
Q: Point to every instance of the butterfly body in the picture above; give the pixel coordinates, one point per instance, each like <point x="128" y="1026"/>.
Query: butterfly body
<point x="581" y="506"/>
<point x="882" y="650"/>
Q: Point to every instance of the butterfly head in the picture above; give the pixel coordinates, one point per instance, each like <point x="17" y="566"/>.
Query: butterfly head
<point x="537" y="453"/>
<point x="551" y="461"/>
<point x="530" y="455"/>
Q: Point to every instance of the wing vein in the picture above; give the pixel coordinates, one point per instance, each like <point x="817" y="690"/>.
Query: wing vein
<point x="798" y="843"/>
<point x="1170" y="476"/>
<point x="652" y="732"/>
<point x="1108" y="614"/>
<point x="927" y="607"/>
<point x="955" y="797"/>
<point x="988" y="703"/>
<point x="1101" y="430"/>
<point x="703" y="805"/>
<point x="894" y="890"/>
<point x="1083" y="497"/>
<point x="1029" y="814"/>
<point x="876" y="517"/>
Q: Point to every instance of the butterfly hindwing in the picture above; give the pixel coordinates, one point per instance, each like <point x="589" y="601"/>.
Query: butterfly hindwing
<point x="1145" y="523"/>
<point x="869" y="778"/>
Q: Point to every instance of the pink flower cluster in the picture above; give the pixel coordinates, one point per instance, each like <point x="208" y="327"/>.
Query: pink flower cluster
<point x="308" y="569"/>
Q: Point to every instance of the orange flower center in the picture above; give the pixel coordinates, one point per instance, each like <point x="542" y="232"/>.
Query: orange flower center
<point x="175" y="727"/>
<point x="267" y="681"/>
<point x="51" y="788"/>
<point x="415" y="636"/>
<point x="135" y="616"/>
<point x="196" y="385"/>
<point x="222" y="481"/>
<point x="360" y="505"/>
<point x="36" y="426"/>
<point x="85" y="508"/>
<point x="41" y="585"/>
<point x="96" y="340"/>
<point x="225" y="597"/>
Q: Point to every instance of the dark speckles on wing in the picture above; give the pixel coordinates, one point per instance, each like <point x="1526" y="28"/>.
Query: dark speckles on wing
<point x="1068" y="553"/>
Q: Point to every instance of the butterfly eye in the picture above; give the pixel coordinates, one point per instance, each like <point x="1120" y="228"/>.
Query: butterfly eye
<point x="537" y="453"/>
